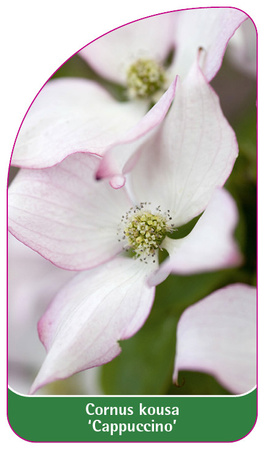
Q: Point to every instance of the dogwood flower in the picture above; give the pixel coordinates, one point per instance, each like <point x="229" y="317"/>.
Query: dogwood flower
<point x="135" y="55"/>
<point x="82" y="224"/>
<point x="73" y="115"/>
<point x="217" y="335"/>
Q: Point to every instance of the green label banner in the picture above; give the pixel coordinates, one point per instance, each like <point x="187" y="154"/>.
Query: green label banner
<point x="135" y="418"/>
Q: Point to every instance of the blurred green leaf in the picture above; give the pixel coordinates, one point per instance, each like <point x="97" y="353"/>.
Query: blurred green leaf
<point x="77" y="67"/>
<point x="197" y="383"/>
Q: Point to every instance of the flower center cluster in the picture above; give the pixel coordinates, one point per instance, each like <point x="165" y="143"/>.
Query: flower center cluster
<point x="143" y="231"/>
<point x="145" y="77"/>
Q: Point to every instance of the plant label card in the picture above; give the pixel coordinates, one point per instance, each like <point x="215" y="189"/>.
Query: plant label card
<point x="132" y="238"/>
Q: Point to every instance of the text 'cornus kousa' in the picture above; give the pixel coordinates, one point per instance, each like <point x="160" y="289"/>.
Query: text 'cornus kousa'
<point x="79" y="115"/>
<point x="82" y="224"/>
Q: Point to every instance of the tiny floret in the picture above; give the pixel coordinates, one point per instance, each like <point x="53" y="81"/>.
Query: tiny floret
<point x="145" y="78"/>
<point x="144" y="231"/>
